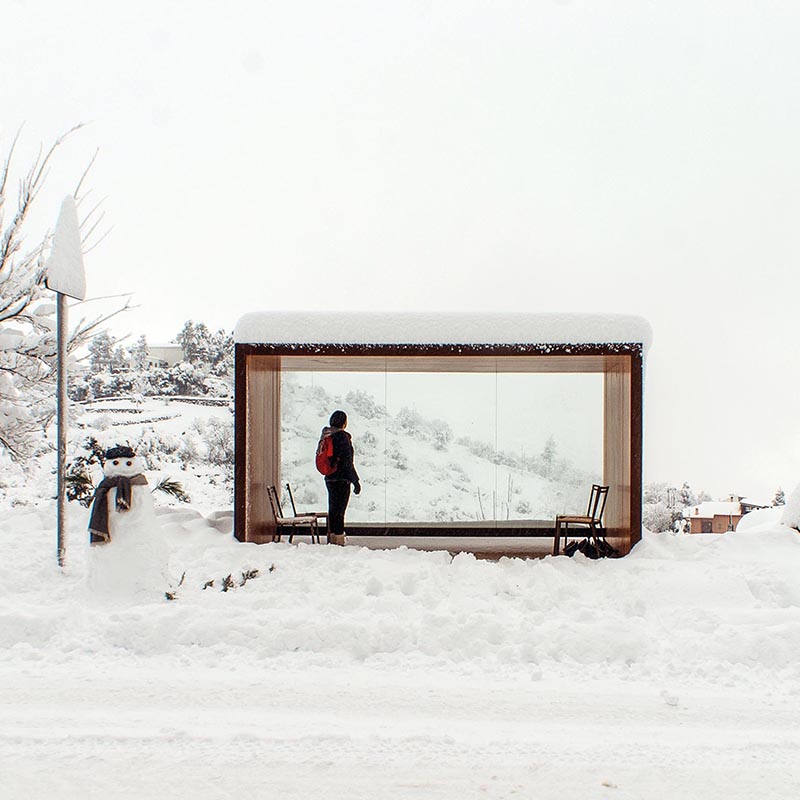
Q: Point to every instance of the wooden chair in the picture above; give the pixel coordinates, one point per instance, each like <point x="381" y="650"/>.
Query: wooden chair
<point x="591" y="521"/>
<point x="291" y="524"/>
<point x="320" y="515"/>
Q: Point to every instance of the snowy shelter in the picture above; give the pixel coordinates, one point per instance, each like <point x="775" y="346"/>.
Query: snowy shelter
<point x="497" y="351"/>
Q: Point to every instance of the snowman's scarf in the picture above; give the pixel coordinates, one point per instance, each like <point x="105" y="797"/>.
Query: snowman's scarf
<point x="98" y="521"/>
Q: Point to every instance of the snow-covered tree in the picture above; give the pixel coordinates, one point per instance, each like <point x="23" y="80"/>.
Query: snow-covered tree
<point x="120" y="360"/>
<point x="139" y="354"/>
<point x="27" y="308"/>
<point x="548" y="457"/>
<point x="201" y="348"/>
<point x="780" y="497"/>
<point x="194" y="340"/>
<point x="101" y="352"/>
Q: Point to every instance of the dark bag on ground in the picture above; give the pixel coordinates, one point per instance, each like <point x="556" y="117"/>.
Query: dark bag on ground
<point x="592" y="548"/>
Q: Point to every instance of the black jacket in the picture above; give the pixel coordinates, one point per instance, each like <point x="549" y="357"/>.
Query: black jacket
<point x="343" y="458"/>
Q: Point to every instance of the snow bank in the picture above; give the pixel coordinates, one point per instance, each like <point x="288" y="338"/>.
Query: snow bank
<point x="791" y="511"/>
<point x="440" y="328"/>
<point x="722" y="608"/>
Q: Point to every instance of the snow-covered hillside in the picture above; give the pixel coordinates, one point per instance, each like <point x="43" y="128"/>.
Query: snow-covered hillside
<point x="413" y="468"/>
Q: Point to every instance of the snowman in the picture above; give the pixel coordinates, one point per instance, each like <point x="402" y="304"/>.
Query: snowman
<point x="128" y="556"/>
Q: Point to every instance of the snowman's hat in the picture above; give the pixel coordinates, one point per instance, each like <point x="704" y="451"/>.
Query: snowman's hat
<point x="120" y="451"/>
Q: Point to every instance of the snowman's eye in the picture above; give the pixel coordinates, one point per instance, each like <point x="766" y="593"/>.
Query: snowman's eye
<point x="129" y="463"/>
<point x="116" y="463"/>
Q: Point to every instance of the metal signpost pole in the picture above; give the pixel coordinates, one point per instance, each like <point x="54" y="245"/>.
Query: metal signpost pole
<point x="64" y="274"/>
<point x="61" y="384"/>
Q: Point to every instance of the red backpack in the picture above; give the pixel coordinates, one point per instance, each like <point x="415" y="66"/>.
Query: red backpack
<point x="326" y="463"/>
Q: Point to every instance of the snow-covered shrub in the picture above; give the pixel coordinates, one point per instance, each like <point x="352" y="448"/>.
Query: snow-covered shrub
<point x="216" y="387"/>
<point x="186" y="379"/>
<point x="306" y="493"/>
<point x="85" y="459"/>
<point x="102" y="422"/>
<point x="319" y="396"/>
<point x="479" y="449"/>
<point x="442" y="434"/>
<point x="396" y="457"/>
<point x="108" y="384"/>
<point x="155" y="448"/>
<point x="367" y="442"/>
<point x="189" y="450"/>
<point x="459" y="473"/>
<point x="79" y="389"/>
<point x="657" y="517"/>
<point x="364" y="404"/>
<point x="410" y="421"/>
<point x="218" y="437"/>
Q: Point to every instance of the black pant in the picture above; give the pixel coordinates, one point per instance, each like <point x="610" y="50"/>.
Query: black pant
<point x="338" y="498"/>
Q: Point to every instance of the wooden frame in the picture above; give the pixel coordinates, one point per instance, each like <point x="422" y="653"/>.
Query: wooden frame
<point x="257" y="410"/>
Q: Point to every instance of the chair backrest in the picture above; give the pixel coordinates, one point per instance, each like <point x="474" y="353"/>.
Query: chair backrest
<point x="274" y="501"/>
<point x="597" y="502"/>
<point x="291" y="499"/>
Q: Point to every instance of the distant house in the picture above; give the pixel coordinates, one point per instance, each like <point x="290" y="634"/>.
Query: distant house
<point x="720" y="516"/>
<point x="163" y="355"/>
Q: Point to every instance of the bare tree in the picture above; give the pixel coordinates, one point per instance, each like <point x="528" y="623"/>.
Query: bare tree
<point x="27" y="310"/>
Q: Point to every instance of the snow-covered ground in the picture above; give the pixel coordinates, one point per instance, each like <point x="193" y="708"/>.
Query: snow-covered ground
<point x="349" y="673"/>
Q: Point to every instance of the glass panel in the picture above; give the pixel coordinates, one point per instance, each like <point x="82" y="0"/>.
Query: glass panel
<point x="550" y="442"/>
<point x="307" y="401"/>
<point x="440" y="447"/>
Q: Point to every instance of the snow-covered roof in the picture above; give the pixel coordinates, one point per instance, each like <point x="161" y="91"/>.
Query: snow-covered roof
<point x="763" y="502"/>
<point x="299" y="327"/>
<point x="713" y="508"/>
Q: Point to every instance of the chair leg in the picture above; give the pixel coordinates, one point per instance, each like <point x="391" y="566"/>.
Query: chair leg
<point x="557" y="538"/>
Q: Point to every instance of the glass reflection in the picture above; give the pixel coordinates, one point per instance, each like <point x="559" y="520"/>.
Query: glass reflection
<point x="434" y="447"/>
<point x="307" y="401"/>
<point x="549" y="442"/>
<point x="441" y="431"/>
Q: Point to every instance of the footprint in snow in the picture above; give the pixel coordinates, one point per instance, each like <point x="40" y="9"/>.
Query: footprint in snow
<point x="669" y="699"/>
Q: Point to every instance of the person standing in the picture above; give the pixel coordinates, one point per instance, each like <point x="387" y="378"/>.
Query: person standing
<point x="339" y="481"/>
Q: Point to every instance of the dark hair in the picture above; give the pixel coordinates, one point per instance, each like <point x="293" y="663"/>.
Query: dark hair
<point x="338" y="419"/>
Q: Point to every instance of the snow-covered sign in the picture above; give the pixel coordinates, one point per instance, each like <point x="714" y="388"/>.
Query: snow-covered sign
<point x="64" y="269"/>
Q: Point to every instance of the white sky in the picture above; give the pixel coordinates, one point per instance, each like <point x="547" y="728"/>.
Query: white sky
<point x="633" y="157"/>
